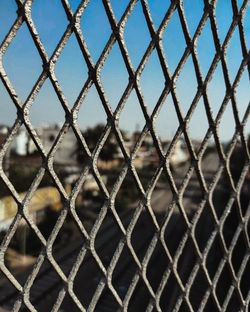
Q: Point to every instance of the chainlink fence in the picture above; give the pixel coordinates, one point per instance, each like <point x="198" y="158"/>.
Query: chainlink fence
<point x="182" y="259"/>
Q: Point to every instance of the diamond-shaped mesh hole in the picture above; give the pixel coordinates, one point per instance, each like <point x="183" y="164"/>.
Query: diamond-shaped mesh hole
<point x="198" y="125"/>
<point x="26" y="243"/>
<point x="221" y="194"/>
<point x="161" y="197"/>
<point x="109" y="235"/>
<point x="114" y="76"/>
<point x="22" y="252"/>
<point x="71" y="70"/>
<point x="186" y="261"/>
<point x="47" y="284"/>
<point x="210" y="161"/>
<point x="198" y="289"/>
<point x="231" y="224"/>
<point x="173" y="42"/>
<point x="48" y="125"/>
<point x="171" y="291"/>
<point x="127" y="198"/>
<point x="68" y="162"/>
<point x="172" y="230"/>
<point x="237" y="162"/>
<point x="51" y="31"/>
<point x="238" y="252"/>
<point x="146" y="160"/>
<point x="91" y="113"/>
<point x="157" y="265"/>
<point x="68" y="244"/>
<point x="47" y="216"/>
<point x="191" y="18"/>
<point x="223" y="284"/>
<point x="216" y="89"/>
<point x="44" y="205"/>
<point x="92" y="135"/>
<point x="89" y="202"/>
<point x="136" y="38"/>
<point x="143" y="228"/>
<point x="124" y="272"/>
<point x="152" y="81"/>
<point x="95" y="15"/>
<point x="234" y="55"/>
<point x="186" y="85"/>
<point x="204" y="228"/>
<point x="224" y="14"/>
<point x="167" y="122"/>
<point x="110" y="160"/>
<point x="132" y="119"/>
<point x="214" y="257"/>
<point x="140" y="297"/>
<point x="90" y="273"/>
<point x="22" y="62"/>
<point x="227" y="125"/>
<point x="179" y="160"/>
<point x="90" y="197"/>
<point x="206" y="48"/>
<point x="193" y="194"/>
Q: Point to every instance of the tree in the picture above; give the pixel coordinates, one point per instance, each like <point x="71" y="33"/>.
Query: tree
<point x="92" y="135"/>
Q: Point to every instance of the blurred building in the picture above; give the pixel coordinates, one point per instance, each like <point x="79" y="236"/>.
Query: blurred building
<point x="23" y="144"/>
<point x="66" y="154"/>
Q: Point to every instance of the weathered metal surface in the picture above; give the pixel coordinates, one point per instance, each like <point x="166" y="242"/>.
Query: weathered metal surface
<point x="180" y="298"/>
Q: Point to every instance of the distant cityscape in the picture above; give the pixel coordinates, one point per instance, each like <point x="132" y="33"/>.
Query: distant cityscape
<point x="22" y="162"/>
<point x="68" y="152"/>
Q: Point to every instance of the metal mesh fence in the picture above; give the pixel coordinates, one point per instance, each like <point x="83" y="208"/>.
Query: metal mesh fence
<point x="192" y="260"/>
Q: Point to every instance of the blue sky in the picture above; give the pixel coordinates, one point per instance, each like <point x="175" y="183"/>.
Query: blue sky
<point x="23" y="65"/>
